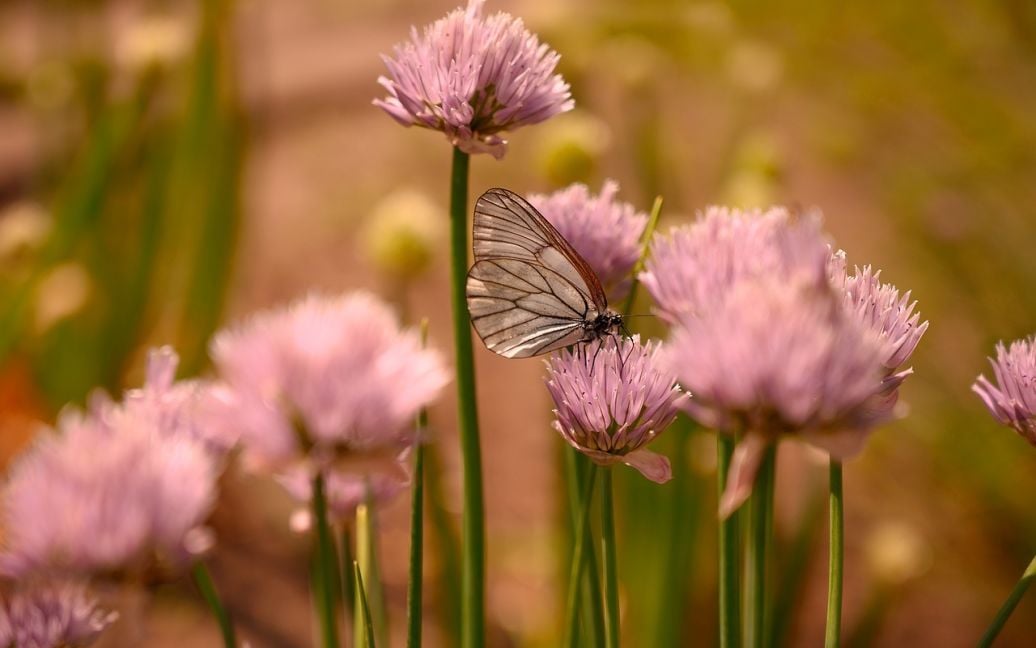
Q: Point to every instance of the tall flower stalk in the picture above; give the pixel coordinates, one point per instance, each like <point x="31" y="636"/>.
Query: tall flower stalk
<point x="729" y="565"/>
<point x="473" y="78"/>
<point x="325" y="565"/>
<point x="1011" y="399"/>
<point x="758" y="539"/>
<point x="473" y="532"/>
<point x="609" y="565"/>
<point x="611" y="399"/>
<point x="775" y="337"/>
<point x="833" y="631"/>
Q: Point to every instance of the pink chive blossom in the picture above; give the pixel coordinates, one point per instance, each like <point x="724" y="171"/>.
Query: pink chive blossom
<point x="107" y="497"/>
<point x="780" y="358"/>
<point x="324" y="379"/>
<point x="168" y="406"/>
<point x="1012" y="398"/>
<point x="472" y="78"/>
<point x="612" y="398"/>
<point x="893" y="317"/>
<point x="694" y="266"/>
<point x="881" y="307"/>
<point x="602" y="230"/>
<point x="46" y="615"/>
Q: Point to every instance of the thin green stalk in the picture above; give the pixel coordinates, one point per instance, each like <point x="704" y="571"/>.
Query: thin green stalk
<point x="473" y="531"/>
<point x="207" y="587"/>
<point x="345" y="559"/>
<point x="759" y="531"/>
<point x="578" y="560"/>
<point x="649" y="229"/>
<point x="364" y="636"/>
<point x="610" y="569"/>
<point x="367" y="559"/>
<point x="415" y="581"/>
<point x="836" y="556"/>
<point x="577" y="466"/>
<point x="729" y="594"/>
<point x="447" y="546"/>
<point x="326" y="576"/>
<point x="1009" y="605"/>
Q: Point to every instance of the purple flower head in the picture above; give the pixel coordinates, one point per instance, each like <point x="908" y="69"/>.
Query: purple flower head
<point x="695" y="266"/>
<point x="168" y="406"/>
<point x="112" y="496"/>
<point x="880" y="307"/>
<point x="602" y="230"/>
<point x="611" y="399"/>
<point x="46" y="615"/>
<point x="779" y="358"/>
<point x="324" y="379"/>
<point x="1012" y="400"/>
<point x="472" y="78"/>
<point x="891" y="316"/>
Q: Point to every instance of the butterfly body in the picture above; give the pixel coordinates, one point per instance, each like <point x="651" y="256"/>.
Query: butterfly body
<point x="606" y="323"/>
<point x="529" y="292"/>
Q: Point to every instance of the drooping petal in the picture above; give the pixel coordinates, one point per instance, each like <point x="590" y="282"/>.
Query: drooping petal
<point x="744" y="466"/>
<point x="650" y="464"/>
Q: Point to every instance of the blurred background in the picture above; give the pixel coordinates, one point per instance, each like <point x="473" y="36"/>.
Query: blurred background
<point x="169" y="166"/>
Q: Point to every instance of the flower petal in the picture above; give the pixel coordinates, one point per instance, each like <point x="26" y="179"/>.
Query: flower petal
<point x="744" y="465"/>
<point x="650" y="464"/>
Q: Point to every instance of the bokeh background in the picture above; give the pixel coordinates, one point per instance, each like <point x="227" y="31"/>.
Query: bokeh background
<point x="169" y="166"/>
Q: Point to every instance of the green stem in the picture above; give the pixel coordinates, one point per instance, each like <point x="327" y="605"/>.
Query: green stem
<point x="1008" y="607"/>
<point x="325" y="580"/>
<point x="473" y="532"/>
<point x="645" y="238"/>
<point x="367" y="559"/>
<point x="447" y="546"/>
<point x="364" y="635"/>
<point x="836" y="557"/>
<point x="413" y="606"/>
<point x="577" y="465"/>
<point x="611" y="576"/>
<point x="729" y="606"/>
<point x="207" y="587"/>
<point x="759" y="531"/>
<point x="578" y="560"/>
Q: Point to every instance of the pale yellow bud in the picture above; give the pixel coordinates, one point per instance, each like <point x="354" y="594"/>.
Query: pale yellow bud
<point x="897" y="552"/>
<point x="570" y="146"/>
<point x="61" y="293"/>
<point x="403" y="232"/>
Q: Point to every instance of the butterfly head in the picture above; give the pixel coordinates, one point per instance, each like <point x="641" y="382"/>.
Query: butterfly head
<point x="606" y="323"/>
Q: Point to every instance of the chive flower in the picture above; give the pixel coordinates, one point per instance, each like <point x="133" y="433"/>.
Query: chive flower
<point x="473" y="78"/>
<point x="1011" y="399"/>
<point x="612" y="398"/>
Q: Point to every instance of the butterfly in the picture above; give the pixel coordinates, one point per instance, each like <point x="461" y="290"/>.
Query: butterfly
<point x="529" y="292"/>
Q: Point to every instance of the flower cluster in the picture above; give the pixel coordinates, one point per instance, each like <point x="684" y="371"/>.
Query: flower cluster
<point x="328" y="383"/>
<point x="44" y="615"/>
<point x="772" y="336"/>
<point x="602" y="230"/>
<point x="1012" y="399"/>
<point x="322" y="376"/>
<point x="473" y="78"/>
<point x="142" y="498"/>
<point x="611" y="398"/>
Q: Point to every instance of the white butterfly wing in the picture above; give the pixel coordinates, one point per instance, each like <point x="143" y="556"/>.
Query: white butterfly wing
<point x="521" y="309"/>
<point x="528" y="292"/>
